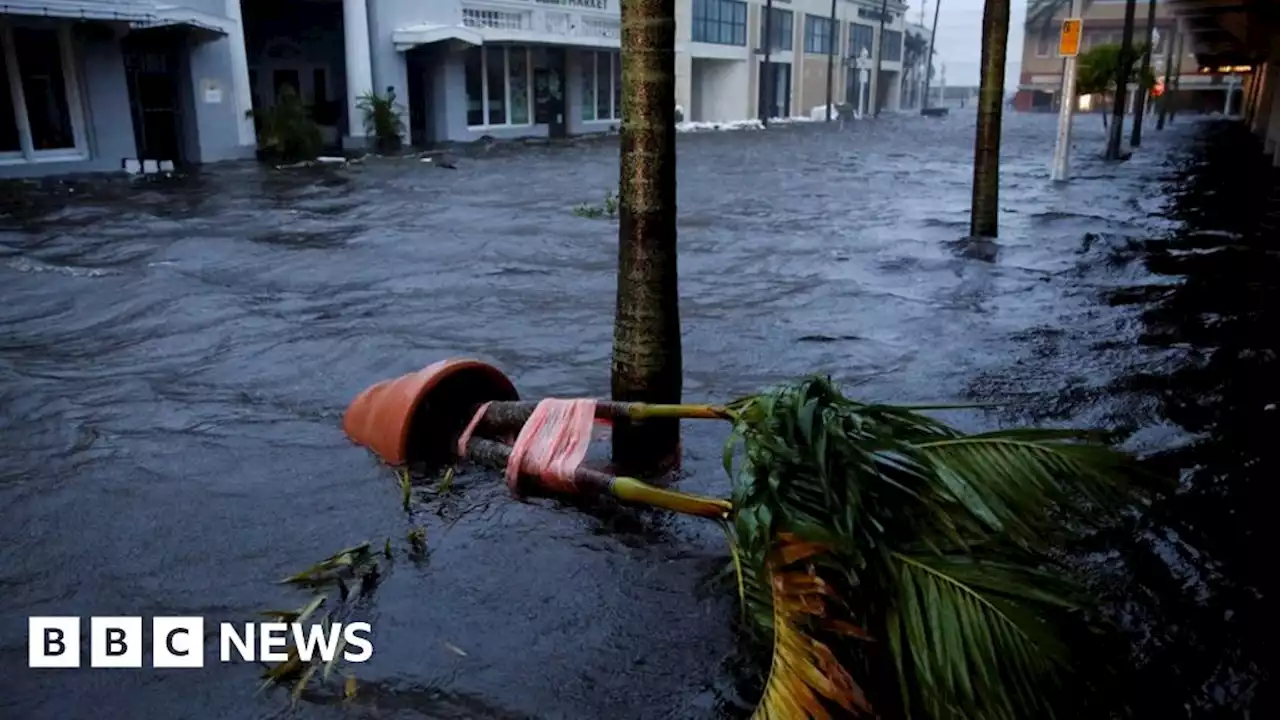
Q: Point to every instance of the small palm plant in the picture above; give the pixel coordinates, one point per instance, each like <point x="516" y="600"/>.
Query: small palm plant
<point x="286" y="130"/>
<point x="896" y="567"/>
<point x="383" y="119"/>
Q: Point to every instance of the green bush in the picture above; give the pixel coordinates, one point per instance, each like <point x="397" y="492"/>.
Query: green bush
<point x="286" y="131"/>
<point x="383" y="119"/>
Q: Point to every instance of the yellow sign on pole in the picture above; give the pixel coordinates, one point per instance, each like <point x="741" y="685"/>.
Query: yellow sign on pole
<point x="1069" y="43"/>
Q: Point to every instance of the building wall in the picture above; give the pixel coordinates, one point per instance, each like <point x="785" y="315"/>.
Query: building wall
<point x="812" y="90"/>
<point x="716" y="95"/>
<point x="684" y="59"/>
<point x="1103" y="23"/>
<point x="108" y="117"/>
<point x="733" y="69"/>
<point x="223" y="132"/>
<point x="211" y="112"/>
<point x="100" y="88"/>
<point x="215" y="113"/>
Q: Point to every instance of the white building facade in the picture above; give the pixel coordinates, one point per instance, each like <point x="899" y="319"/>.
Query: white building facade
<point x="98" y="85"/>
<point x="546" y="68"/>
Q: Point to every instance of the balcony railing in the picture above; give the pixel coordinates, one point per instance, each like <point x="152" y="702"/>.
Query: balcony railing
<point x="497" y="19"/>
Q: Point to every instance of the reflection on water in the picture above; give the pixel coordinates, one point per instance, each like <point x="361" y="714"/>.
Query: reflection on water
<point x="175" y="359"/>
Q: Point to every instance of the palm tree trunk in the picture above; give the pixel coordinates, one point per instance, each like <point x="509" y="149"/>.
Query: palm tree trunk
<point x="1122" y="83"/>
<point x="1173" y="94"/>
<point x="647" y="363"/>
<point x="984" y="215"/>
<point x="1144" y="93"/>
<point x="1163" y="100"/>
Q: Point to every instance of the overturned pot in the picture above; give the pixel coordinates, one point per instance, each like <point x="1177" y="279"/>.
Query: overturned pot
<point x="416" y="417"/>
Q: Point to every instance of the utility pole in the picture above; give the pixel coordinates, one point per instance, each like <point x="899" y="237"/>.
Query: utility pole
<point x="831" y="55"/>
<point x="1168" y="65"/>
<point x="1177" y="74"/>
<point x="884" y="12"/>
<point x="1140" y="104"/>
<point x="1122" y="84"/>
<point x="766" y="74"/>
<point x="928" y="73"/>
<point x="1067" y="106"/>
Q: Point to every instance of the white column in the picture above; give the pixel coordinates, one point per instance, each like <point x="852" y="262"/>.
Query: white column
<point x="241" y="93"/>
<point x="1272" y="127"/>
<point x="355" y="29"/>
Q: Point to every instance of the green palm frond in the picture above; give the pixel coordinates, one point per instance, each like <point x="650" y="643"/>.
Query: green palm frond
<point x="976" y="635"/>
<point x="937" y="543"/>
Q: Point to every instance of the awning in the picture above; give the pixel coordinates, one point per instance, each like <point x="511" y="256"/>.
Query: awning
<point x="410" y="37"/>
<point x="174" y="15"/>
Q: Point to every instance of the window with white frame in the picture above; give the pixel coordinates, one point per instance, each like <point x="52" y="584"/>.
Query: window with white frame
<point x="40" y="113"/>
<point x="601" y="86"/>
<point x="498" y="78"/>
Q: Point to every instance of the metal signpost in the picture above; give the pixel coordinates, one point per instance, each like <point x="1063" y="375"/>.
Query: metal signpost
<point x="1069" y="48"/>
<point x="863" y="64"/>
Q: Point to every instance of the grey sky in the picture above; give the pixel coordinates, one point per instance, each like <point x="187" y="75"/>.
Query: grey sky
<point x="959" y="41"/>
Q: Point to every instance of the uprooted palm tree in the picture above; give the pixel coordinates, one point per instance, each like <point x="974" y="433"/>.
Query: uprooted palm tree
<point x="889" y="565"/>
<point x="896" y="567"/>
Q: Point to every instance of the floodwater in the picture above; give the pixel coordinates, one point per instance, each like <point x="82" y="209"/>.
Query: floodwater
<point x="176" y="357"/>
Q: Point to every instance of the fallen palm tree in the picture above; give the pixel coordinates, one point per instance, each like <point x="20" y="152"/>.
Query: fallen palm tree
<point x="892" y="565"/>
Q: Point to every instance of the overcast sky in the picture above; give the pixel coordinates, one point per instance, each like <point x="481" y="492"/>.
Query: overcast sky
<point x="959" y="41"/>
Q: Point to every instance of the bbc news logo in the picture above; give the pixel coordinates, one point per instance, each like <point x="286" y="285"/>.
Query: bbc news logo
<point x="178" y="642"/>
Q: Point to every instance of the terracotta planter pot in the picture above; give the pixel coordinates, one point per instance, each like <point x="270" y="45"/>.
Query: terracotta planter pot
<point x="417" y="417"/>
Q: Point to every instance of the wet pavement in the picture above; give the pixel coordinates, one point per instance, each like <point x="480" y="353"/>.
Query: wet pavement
<point x="175" y="359"/>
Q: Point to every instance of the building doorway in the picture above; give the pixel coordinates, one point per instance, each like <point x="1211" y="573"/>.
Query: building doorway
<point x="775" y="89"/>
<point x="153" y="60"/>
<point x="549" y="91"/>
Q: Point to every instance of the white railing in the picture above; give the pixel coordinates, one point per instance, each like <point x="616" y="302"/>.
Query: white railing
<point x="543" y="22"/>
<point x="593" y="27"/>
<point x="497" y="19"/>
<point x="557" y="23"/>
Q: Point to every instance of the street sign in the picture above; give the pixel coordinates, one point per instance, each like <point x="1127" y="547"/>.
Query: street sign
<point x="1069" y="42"/>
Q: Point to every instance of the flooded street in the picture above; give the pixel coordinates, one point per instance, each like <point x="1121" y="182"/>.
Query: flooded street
<point x="175" y="359"/>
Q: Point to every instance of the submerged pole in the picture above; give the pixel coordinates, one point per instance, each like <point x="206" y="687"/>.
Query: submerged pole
<point x="831" y="56"/>
<point x="766" y="91"/>
<point x="1164" y="92"/>
<point x="1140" y="101"/>
<point x="1122" y="84"/>
<point x="928" y="72"/>
<point x="1177" y="74"/>
<point x="985" y="210"/>
<point x="647" y="353"/>
<point x="884" y="13"/>
<point x="1066" y="108"/>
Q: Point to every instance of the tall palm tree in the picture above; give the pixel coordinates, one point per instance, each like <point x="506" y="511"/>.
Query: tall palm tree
<point x="895" y="567"/>
<point x="1140" y="106"/>
<point x="984" y="215"/>
<point x="647" y="363"/>
<point x="1123" y="69"/>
